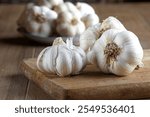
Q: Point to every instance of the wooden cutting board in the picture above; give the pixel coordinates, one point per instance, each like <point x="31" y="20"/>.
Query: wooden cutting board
<point x="92" y="84"/>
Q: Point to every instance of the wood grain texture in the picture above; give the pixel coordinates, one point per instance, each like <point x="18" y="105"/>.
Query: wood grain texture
<point x="92" y="84"/>
<point x="14" y="48"/>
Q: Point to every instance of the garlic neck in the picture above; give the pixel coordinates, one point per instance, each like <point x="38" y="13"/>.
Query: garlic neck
<point x="58" y="41"/>
<point x="55" y="8"/>
<point x="74" y="21"/>
<point x="111" y="51"/>
<point x="40" y="18"/>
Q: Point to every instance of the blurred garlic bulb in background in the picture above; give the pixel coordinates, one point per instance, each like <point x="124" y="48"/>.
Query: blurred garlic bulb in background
<point x="39" y="20"/>
<point x="88" y="37"/>
<point x="62" y="58"/>
<point x="69" y="25"/>
<point x="117" y="52"/>
<point x="88" y="15"/>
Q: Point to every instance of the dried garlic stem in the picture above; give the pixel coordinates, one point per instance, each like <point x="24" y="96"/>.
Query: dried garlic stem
<point x="74" y="21"/>
<point x="111" y="51"/>
<point x="40" y="18"/>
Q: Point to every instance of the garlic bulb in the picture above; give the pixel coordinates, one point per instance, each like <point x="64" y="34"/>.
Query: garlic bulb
<point x="62" y="59"/>
<point x="49" y="3"/>
<point x="68" y="7"/>
<point x="39" y="20"/>
<point x="89" y="36"/>
<point x="69" y="25"/>
<point x="112" y="23"/>
<point x="85" y="8"/>
<point x="117" y="52"/>
<point x="90" y="20"/>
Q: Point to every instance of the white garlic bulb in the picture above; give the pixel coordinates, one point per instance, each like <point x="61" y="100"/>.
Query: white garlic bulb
<point x="84" y="8"/>
<point x="69" y="25"/>
<point x="111" y="23"/>
<point x="68" y="7"/>
<point x="49" y="3"/>
<point x="62" y="59"/>
<point x="90" y="20"/>
<point x="117" y="52"/>
<point x="39" y="20"/>
<point x="89" y="36"/>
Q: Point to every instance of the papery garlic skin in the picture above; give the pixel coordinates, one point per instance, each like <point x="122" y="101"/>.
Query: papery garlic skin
<point x="62" y="59"/>
<point x="117" y="52"/>
<point x="112" y="23"/>
<point x="89" y="36"/>
<point x="38" y="20"/>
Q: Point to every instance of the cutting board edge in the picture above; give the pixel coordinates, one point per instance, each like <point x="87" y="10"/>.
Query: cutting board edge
<point x="67" y="93"/>
<point x="33" y="75"/>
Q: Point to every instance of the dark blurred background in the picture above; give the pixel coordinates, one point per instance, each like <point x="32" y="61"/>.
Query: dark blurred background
<point x="102" y="1"/>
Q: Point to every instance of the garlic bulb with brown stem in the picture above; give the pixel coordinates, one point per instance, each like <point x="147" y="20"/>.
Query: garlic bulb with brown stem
<point x="117" y="52"/>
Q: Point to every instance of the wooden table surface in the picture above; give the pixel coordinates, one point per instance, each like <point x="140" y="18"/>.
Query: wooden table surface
<point x="14" y="47"/>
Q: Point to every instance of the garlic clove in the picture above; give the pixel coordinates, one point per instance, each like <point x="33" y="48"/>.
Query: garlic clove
<point x="64" y="66"/>
<point x="64" y="17"/>
<point x="79" y="58"/>
<point x="68" y="7"/>
<point x="80" y="28"/>
<point x="72" y="8"/>
<point x="60" y="8"/>
<point x="132" y="51"/>
<point x="84" y="8"/>
<point x="121" y="68"/>
<point x="45" y="30"/>
<point x="66" y="29"/>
